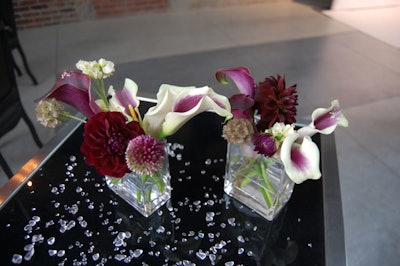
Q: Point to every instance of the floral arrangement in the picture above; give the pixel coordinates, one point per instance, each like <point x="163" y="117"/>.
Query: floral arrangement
<point x="264" y="115"/>
<point x="117" y="139"/>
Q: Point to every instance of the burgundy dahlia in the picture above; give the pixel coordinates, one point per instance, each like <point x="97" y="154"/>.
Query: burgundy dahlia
<point x="275" y="102"/>
<point x="106" y="136"/>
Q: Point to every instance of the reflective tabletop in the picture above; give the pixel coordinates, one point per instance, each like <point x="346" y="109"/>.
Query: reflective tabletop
<point x="59" y="211"/>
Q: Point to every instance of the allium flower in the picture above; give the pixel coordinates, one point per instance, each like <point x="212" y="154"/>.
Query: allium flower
<point x="106" y="136"/>
<point x="265" y="144"/>
<point x="275" y="102"/>
<point x="145" y="155"/>
<point x="49" y="113"/>
<point x="238" y="131"/>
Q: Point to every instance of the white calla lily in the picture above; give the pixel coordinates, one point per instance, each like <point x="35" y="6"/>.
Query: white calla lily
<point x="125" y="101"/>
<point x="300" y="157"/>
<point x="325" y="120"/>
<point x="177" y="105"/>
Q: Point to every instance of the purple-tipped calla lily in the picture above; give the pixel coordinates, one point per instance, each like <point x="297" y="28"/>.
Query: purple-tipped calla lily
<point x="125" y="100"/>
<point x="177" y="105"/>
<point x="73" y="88"/>
<point x="300" y="157"/>
<point x="241" y="106"/>
<point x="325" y="120"/>
<point x="241" y="77"/>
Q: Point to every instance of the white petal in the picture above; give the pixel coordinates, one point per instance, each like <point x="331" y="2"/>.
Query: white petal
<point x="301" y="159"/>
<point x="161" y="120"/>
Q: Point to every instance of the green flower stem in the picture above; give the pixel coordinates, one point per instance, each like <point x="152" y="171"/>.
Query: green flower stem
<point x="157" y="180"/>
<point x="101" y="92"/>
<point x="257" y="168"/>
<point x="138" y="195"/>
<point x="148" y="191"/>
<point x="68" y="115"/>
<point x="266" y="192"/>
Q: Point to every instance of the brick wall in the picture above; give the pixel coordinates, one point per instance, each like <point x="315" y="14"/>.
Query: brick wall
<point x="40" y="13"/>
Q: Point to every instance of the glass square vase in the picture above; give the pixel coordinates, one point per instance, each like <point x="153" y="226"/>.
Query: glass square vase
<point x="258" y="182"/>
<point x="145" y="193"/>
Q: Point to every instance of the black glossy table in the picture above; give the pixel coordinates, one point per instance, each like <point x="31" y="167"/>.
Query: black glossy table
<point x="59" y="211"/>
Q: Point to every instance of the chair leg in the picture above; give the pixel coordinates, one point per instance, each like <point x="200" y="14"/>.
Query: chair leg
<point x="25" y="62"/>
<point x="5" y="166"/>
<point x="32" y="129"/>
<point x="19" y="73"/>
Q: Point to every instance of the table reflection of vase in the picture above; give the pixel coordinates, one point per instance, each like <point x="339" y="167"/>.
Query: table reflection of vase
<point x="260" y="238"/>
<point x="257" y="181"/>
<point x="146" y="193"/>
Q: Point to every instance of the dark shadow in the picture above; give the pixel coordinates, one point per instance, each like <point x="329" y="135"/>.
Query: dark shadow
<point x="317" y="4"/>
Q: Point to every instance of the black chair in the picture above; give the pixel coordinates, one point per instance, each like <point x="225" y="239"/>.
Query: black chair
<point x="10" y="103"/>
<point x="8" y="17"/>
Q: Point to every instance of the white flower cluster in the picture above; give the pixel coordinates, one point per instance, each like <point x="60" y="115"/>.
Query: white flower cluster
<point x="280" y="131"/>
<point x="49" y="113"/>
<point x="96" y="69"/>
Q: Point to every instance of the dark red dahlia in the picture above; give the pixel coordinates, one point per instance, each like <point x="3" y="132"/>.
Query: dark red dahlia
<point x="275" y="102"/>
<point x="106" y="136"/>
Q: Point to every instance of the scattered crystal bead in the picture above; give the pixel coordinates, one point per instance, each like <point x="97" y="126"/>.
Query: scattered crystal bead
<point x="119" y="257"/>
<point x="201" y="255"/>
<point x="95" y="256"/>
<point x="16" y="259"/>
<point x="240" y="239"/>
<point x="52" y="252"/>
<point x="28" y="247"/>
<point x="137" y="253"/>
<point x="28" y="256"/>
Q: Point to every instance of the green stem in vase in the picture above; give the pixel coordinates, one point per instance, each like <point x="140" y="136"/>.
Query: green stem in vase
<point x="257" y="168"/>
<point x="268" y="189"/>
<point x="148" y="191"/>
<point x="157" y="179"/>
<point x="138" y="195"/>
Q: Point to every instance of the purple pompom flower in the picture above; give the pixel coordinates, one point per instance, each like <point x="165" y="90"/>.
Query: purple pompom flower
<point x="265" y="144"/>
<point x="145" y="155"/>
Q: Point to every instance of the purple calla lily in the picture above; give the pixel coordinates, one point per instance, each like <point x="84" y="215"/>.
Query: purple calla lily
<point x="241" y="77"/>
<point x="73" y="88"/>
<point x="241" y="106"/>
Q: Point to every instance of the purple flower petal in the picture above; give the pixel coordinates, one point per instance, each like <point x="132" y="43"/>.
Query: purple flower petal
<point x="73" y="88"/>
<point x="187" y="103"/>
<point x="241" y="77"/>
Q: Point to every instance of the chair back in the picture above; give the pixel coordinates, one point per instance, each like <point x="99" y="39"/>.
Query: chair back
<point x="10" y="103"/>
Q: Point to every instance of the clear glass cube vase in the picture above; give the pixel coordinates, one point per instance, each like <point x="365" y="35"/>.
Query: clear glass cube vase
<point x="145" y="193"/>
<point x="258" y="182"/>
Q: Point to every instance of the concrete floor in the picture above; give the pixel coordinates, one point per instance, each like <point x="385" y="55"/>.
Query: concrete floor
<point x="327" y="59"/>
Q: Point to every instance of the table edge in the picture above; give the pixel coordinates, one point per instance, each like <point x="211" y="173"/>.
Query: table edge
<point x="333" y="212"/>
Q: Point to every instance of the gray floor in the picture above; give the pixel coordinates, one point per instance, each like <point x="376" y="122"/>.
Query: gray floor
<point x="326" y="59"/>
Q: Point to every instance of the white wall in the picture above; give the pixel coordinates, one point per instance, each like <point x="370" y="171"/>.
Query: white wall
<point x="352" y="4"/>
